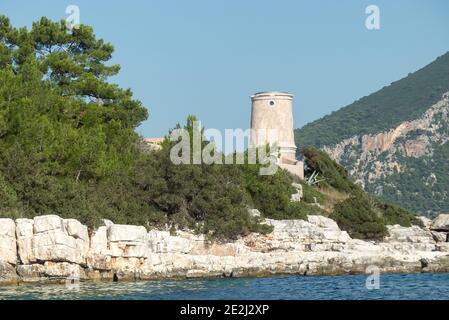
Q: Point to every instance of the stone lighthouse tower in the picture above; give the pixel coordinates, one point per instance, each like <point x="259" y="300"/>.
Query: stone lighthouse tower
<point x="272" y="123"/>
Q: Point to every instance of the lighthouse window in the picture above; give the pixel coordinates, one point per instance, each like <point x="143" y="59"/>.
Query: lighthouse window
<point x="271" y="103"/>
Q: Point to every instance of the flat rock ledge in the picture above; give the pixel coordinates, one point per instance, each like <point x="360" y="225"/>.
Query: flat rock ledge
<point x="49" y="248"/>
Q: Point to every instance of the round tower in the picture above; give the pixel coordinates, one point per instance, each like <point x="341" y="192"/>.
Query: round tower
<point x="272" y="122"/>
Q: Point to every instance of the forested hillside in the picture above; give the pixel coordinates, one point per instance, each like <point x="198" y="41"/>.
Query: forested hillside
<point x="394" y="142"/>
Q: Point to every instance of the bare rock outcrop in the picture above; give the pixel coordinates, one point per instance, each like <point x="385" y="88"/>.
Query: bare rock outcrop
<point x="127" y="241"/>
<point x="51" y="238"/>
<point x="8" y="273"/>
<point x="440" y="223"/>
<point x="413" y="234"/>
<point x="318" y="233"/>
<point x="8" y="247"/>
<point x="425" y="221"/>
<point x="52" y="248"/>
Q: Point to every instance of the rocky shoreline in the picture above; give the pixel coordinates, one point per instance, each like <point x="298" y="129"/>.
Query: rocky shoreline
<point x="49" y="248"/>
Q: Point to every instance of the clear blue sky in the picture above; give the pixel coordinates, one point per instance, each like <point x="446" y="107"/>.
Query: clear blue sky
<point x="206" y="57"/>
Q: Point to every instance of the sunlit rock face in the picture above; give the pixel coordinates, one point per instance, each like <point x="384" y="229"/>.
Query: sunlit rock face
<point x="54" y="249"/>
<point x="441" y="223"/>
<point x="8" y="247"/>
<point x="51" y="238"/>
<point x="8" y="274"/>
<point x="383" y="162"/>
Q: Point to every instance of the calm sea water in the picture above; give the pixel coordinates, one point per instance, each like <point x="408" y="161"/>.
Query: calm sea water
<point x="392" y="286"/>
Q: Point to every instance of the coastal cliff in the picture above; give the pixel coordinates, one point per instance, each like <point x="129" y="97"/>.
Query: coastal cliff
<point x="49" y="248"/>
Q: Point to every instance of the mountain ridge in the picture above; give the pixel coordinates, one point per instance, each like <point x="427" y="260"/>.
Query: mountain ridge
<point x="402" y="100"/>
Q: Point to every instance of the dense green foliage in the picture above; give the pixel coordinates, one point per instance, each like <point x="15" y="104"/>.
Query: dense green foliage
<point x="394" y="214"/>
<point x="66" y="134"/>
<point x="312" y="195"/>
<point x="356" y="216"/>
<point x="365" y="217"/>
<point x="334" y="174"/>
<point x="362" y="215"/>
<point x="271" y="194"/>
<point x="403" y="100"/>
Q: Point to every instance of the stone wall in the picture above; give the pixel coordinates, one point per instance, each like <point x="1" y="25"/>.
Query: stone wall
<point x="50" y="248"/>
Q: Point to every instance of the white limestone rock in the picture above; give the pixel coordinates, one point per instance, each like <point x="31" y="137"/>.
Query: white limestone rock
<point x="176" y="244"/>
<point x="440" y="223"/>
<point x="166" y="265"/>
<point x="127" y="264"/>
<point x="323" y="222"/>
<point x="126" y="250"/>
<point x="8" y="273"/>
<point x="98" y="261"/>
<point x="99" y="241"/>
<point x="156" y="241"/>
<point x="220" y="249"/>
<point x="7" y="228"/>
<point x="320" y="233"/>
<point x="79" y="232"/>
<point x="163" y="242"/>
<point x="51" y="241"/>
<point x="31" y="272"/>
<point x="316" y="229"/>
<point x="439" y="236"/>
<point x="413" y="234"/>
<point x="155" y="236"/>
<point x="63" y="270"/>
<point x="127" y="233"/>
<point x="51" y="270"/>
<point x="254" y="213"/>
<point x="48" y="223"/>
<point x="24" y="234"/>
<point x="76" y="229"/>
<point x="99" y="254"/>
<point x="8" y="246"/>
<point x="107" y="223"/>
<point x="316" y="246"/>
<point x="50" y="238"/>
<point x="127" y="241"/>
<point x="443" y="246"/>
<point x="56" y="245"/>
<point x="362" y="246"/>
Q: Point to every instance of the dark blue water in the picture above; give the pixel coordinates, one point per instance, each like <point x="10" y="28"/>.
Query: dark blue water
<point x="392" y="286"/>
